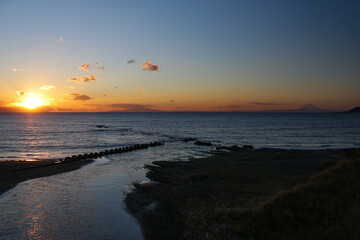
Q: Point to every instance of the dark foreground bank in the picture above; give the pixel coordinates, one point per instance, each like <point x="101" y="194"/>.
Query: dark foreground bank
<point x="252" y="194"/>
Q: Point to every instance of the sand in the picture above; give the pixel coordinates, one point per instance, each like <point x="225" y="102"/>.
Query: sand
<point x="14" y="172"/>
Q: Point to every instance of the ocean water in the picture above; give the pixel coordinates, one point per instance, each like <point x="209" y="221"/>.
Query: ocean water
<point x="88" y="203"/>
<point x="57" y="135"/>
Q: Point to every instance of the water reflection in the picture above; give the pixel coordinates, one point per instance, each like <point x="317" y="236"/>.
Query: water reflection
<point x="83" y="204"/>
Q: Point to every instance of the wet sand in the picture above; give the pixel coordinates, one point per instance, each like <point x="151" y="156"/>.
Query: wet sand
<point x="14" y="172"/>
<point x="191" y="199"/>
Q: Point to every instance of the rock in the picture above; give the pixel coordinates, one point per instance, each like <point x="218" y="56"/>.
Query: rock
<point x="101" y="126"/>
<point x="203" y="143"/>
<point x="197" y="178"/>
<point x="232" y="148"/>
<point x="189" y="139"/>
<point x="248" y="147"/>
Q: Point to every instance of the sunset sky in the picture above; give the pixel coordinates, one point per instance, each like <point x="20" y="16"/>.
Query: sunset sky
<point x="179" y="55"/>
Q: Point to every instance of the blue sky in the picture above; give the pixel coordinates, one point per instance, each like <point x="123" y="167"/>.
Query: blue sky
<point x="210" y="53"/>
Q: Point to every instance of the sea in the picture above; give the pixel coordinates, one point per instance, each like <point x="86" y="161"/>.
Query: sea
<point x="88" y="203"/>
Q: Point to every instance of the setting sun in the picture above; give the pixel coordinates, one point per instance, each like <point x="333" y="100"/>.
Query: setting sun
<point x="31" y="102"/>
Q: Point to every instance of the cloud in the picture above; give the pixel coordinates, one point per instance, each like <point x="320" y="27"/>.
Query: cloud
<point x="265" y="103"/>
<point x="79" y="97"/>
<point x="46" y="87"/>
<point x="148" y="66"/>
<point x="17" y="69"/>
<point x="21" y="109"/>
<point x="131" y="61"/>
<point x="140" y="90"/>
<point x="85" y="67"/>
<point x="228" y="106"/>
<point x="20" y="93"/>
<point x="83" y="79"/>
<point x="172" y="101"/>
<point x="131" y="107"/>
<point x="3" y="103"/>
<point x="124" y="107"/>
<point x="102" y="68"/>
<point x="61" y="40"/>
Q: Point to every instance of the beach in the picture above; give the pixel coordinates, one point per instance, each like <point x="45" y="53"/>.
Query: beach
<point x="205" y="180"/>
<point x="231" y="194"/>
<point x="15" y="172"/>
<point x="227" y="196"/>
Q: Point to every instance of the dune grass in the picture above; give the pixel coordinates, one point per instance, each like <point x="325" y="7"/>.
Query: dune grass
<point x="327" y="206"/>
<point x="260" y="195"/>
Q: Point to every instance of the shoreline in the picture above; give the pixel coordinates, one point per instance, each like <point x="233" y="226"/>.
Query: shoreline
<point x="169" y="206"/>
<point x="14" y="172"/>
<point x="205" y="198"/>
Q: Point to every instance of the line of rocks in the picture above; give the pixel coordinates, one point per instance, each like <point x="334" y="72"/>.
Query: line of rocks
<point x="108" y="152"/>
<point x="204" y="143"/>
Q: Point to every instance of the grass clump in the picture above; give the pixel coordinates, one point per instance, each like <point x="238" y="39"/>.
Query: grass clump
<point x="327" y="206"/>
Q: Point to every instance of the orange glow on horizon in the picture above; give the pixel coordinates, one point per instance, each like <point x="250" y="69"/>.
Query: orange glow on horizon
<point x="31" y="101"/>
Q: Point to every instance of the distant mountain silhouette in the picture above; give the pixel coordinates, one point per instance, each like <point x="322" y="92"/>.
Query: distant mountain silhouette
<point x="311" y="108"/>
<point x="354" y="110"/>
<point x="308" y="108"/>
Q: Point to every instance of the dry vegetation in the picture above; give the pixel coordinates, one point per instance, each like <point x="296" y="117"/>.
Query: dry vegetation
<point x="240" y="196"/>
<point x="327" y="206"/>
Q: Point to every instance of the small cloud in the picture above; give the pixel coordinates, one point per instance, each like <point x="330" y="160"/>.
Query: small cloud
<point x="102" y="68"/>
<point x="104" y="95"/>
<point x="115" y="87"/>
<point x="85" y="67"/>
<point x="264" y="103"/>
<point x="148" y="66"/>
<point x="79" y="97"/>
<point x="131" y="61"/>
<point x="131" y="107"/>
<point x="172" y="101"/>
<point x="17" y="69"/>
<point x="140" y="90"/>
<point x="71" y="87"/>
<point x="20" y="93"/>
<point x="228" y="106"/>
<point x="61" y="40"/>
<point x="46" y="87"/>
<point x="83" y="79"/>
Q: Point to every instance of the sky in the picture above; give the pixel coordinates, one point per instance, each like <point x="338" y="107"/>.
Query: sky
<point x="67" y="56"/>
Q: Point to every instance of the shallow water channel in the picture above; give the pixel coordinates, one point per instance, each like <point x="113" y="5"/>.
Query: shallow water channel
<point x="82" y="204"/>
